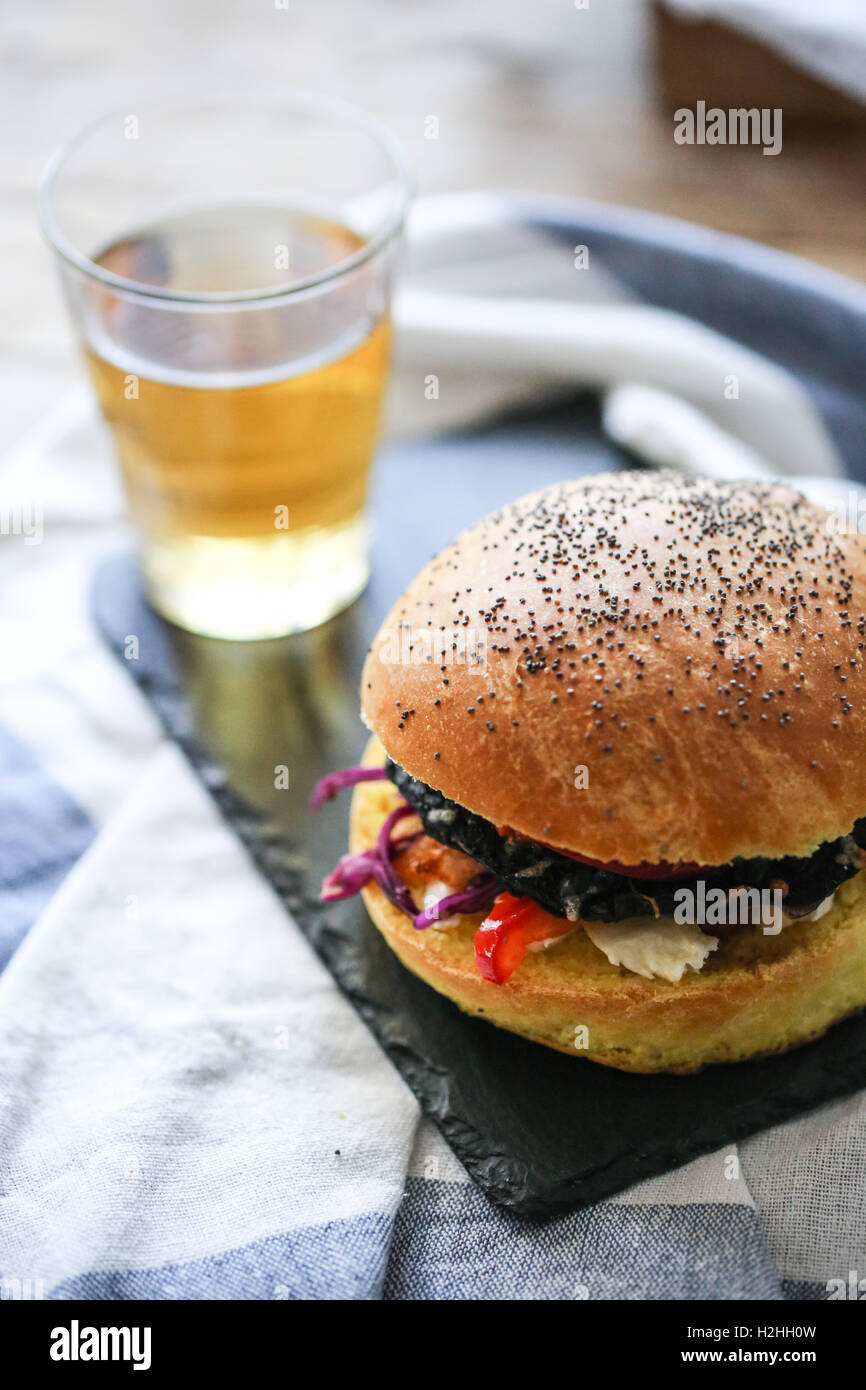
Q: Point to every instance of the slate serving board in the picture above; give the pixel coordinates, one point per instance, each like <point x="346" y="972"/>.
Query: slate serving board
<point x="538" y="1131"/>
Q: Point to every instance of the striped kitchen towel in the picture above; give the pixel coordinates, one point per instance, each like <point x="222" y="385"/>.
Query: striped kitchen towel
<point x="189" y="1108"/>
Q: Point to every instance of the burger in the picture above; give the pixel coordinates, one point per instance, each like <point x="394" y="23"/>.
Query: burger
<point x="614" y="797"/>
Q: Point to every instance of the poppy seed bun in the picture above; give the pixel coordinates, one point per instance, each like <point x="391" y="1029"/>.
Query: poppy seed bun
<point x="697" y="647"/>
<point x="755" y="995"/>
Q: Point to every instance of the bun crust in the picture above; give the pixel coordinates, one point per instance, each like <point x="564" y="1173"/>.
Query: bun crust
<point x="755" y="996"/>
<point x="697" y="647"/>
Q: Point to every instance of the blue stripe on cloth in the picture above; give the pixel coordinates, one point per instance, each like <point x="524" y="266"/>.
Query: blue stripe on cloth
<point x="42" y="831"/>
<point x="342" y="1259"/>
<point x="796" y="1289"/>
<point x="449" y="1243"/>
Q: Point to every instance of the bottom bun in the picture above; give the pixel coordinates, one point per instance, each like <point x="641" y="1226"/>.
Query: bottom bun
<point x="755" y="996"/>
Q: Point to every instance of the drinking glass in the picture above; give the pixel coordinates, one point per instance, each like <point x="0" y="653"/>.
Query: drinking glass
<point x="228" y="269"/>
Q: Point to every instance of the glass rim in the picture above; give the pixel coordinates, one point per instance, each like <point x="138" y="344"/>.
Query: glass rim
<point x="298" y="100"/>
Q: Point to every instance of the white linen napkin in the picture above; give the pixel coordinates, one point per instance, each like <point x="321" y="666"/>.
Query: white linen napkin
<point x="493" y="316"/>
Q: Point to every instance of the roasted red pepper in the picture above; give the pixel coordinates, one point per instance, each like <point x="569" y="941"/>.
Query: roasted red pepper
<point x="512" y="925"/>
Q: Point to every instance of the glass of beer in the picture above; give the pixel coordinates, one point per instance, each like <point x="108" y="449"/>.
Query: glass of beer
<point x="228" y="269"/>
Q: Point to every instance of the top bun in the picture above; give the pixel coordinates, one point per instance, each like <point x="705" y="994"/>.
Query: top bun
<point x="638" y="667"/>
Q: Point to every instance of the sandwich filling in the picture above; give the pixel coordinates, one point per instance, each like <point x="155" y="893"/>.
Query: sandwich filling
<point x="567" y="887"/>
<point x="452" y="862"/>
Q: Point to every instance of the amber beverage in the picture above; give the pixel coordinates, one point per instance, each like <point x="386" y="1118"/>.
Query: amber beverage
<point x="239" y="350"/>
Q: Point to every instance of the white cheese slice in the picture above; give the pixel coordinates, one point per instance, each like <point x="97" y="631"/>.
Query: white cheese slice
<point x="663" y="949"/>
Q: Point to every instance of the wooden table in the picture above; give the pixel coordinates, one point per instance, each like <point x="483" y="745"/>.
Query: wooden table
<point x="529" y="94"/>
